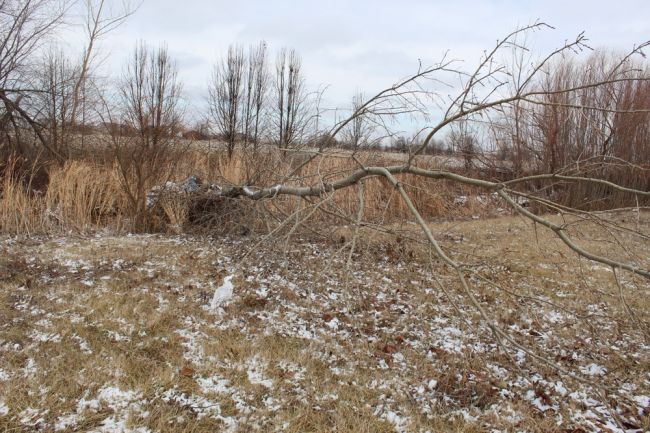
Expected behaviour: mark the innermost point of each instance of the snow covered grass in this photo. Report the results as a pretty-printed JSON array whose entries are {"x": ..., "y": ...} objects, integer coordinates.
[{"x": 111, "y": 334}]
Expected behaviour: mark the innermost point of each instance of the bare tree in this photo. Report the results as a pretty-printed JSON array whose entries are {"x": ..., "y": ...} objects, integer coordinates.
[
  {"x": 247, "y": 105},
  {"x": 559, "y": 129},
  {"x": 225, "y": 93},
  {"x": 101, "y": 18},
  {"x": 27, "y": 82},
  {"x": 256, "y": 89},
  {"x": 463, "y": 142},
  {"x": 55, "y": 103},
  {"x": 358, "y": 133},
  {"x": 291, "y": 110},
  {"x": 151, "y": 114},
  {"x": 24, "y": 27},
  {"x": 480, "y": 96}
]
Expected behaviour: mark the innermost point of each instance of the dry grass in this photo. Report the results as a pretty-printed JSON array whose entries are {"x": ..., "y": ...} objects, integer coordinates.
[
  {"x": 110, "y": 333},
  {"x": 83, "y": 196},
  {"x": 21, "y": 209}
]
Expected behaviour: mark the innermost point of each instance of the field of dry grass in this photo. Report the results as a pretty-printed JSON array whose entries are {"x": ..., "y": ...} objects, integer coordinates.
[
  {"x": 89, "y": 195},
  {"x": 112, "y": 333}
]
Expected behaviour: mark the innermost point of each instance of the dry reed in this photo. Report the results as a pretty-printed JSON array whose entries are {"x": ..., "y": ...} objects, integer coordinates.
[
  {"x": 85, "y": 195},
  {"x": 22, "y": 209}
]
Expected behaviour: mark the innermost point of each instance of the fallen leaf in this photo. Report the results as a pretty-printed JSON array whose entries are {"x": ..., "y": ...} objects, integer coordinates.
[{"x": 187, "y": 372}]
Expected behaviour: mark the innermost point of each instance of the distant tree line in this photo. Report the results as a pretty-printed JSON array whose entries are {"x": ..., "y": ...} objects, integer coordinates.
[{"x": 52, "y": 102}]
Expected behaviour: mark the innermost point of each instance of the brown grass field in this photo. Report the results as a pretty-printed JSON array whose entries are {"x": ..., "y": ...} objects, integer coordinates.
[{"x": 109, "y": 333}]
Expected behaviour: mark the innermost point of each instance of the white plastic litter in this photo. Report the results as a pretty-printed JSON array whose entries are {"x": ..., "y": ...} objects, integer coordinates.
[{"x": 223, "y": 293}]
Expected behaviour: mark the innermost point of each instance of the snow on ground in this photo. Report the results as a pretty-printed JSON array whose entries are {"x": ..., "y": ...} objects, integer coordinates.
[{"x": 296, "y": 344}]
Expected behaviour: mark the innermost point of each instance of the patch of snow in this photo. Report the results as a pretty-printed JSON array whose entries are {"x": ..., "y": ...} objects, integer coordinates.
[
  {"x": 193, "y": 348},
  {"x": 74, "y": 265},
  {"x": 113, "y": 398},
  {"x": 121, "y": 402},
  {"x": 271, "y": 404},
  {"x": 520, "y": 356},
  {"x": 510, "y": 415},
  {"x": 593, "y": 370},
  {"x": 643, "y": 401},
  {"x": 116, "y": 336},
  {"x": 537, "y": 401},
  {"x": 255, "y": 375},
  {"x": 560, "y": 389},
  {"x": 4, "y": 409},
  {"x": 214, "y": 384},
  {"x": 32, "y": 417},
  {"x": 554, "y": 317},
  {"x": 65, "y": 421},
  {"x": 30, "y": 368},
  {"x": 44, "y": 337},
  {"x": 303, "y": 332},
  {"x": 333, "y": 324},
  {"x": 84, "y": 404},
  {"x": 112, "y": 424},
  {"x": 468, "y": 417},
  {"x": 45, "y": 323},
  {"x": 117, "y": 399},
  {"x": 83, "y": 344},
  {"x": 451, "y": 339},
  {"x": 400, "y": 422}
]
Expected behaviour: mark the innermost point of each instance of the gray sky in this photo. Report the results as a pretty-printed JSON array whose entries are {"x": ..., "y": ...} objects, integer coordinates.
[{"x": 363, "y": 44}]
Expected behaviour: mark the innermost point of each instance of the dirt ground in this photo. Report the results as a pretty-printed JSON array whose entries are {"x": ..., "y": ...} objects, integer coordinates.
[{"x": 121, "y": 334}]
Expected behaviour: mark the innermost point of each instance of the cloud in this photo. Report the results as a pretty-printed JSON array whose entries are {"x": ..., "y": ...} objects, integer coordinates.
[{"x": 365, "y": 44}]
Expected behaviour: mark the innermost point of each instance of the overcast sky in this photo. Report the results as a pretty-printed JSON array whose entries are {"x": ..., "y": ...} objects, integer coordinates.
[{"x": 365, "y": 44}]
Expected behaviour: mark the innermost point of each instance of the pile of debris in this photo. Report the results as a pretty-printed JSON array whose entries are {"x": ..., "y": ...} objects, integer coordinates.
[
  {"x": 192, "y": 205},
  {"x": 192, "y": 185}
]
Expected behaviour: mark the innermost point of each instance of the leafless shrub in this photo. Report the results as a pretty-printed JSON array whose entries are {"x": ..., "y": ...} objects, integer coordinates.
[{"x": 602, "y": 120}]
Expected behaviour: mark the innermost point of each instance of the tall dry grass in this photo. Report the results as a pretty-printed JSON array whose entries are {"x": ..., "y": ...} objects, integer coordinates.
[
  {"x": 435, "y": 199},
  {"x": 82, "y": 195},
  {"x": 85, "y": 195},
  {"x": 22, "y": 211}
]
